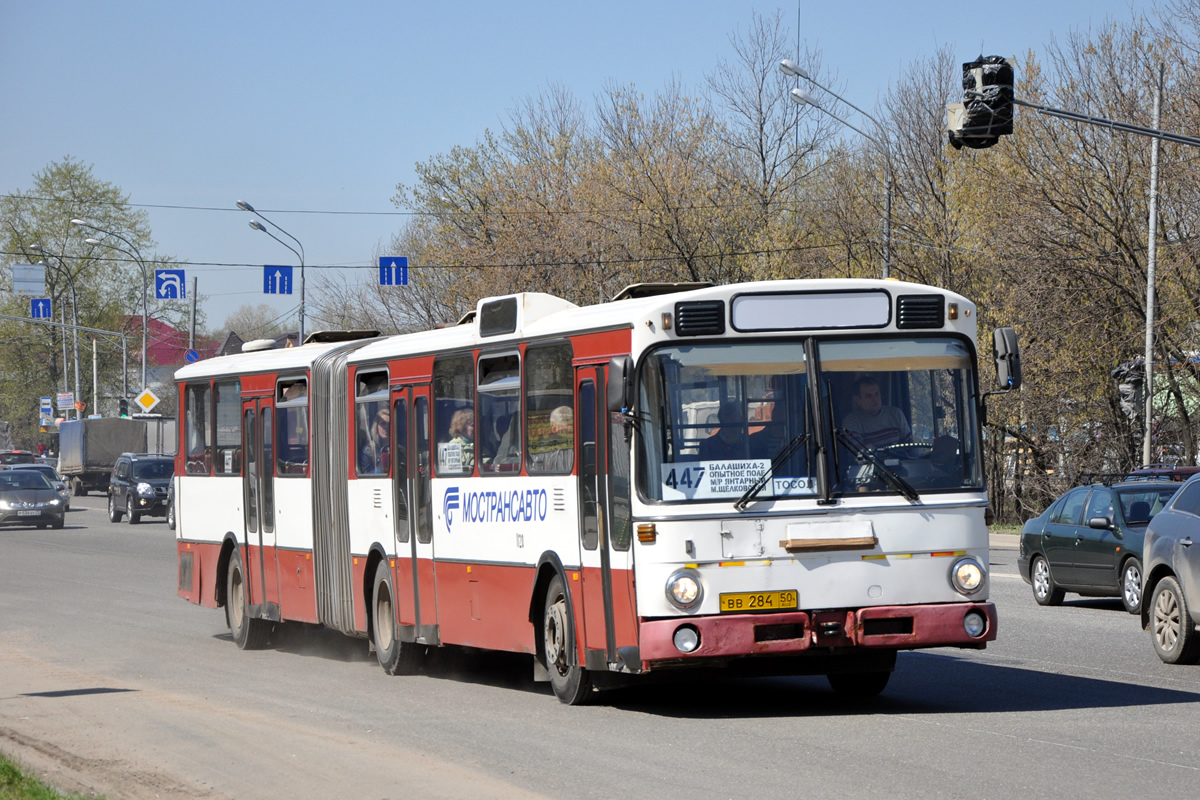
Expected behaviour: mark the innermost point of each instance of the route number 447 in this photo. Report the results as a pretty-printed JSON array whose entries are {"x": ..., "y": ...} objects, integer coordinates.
[{"x": 686, "y": 478}]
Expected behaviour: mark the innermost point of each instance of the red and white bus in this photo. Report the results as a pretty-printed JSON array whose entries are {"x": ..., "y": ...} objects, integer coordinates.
[{"x": 776, "y": 477}]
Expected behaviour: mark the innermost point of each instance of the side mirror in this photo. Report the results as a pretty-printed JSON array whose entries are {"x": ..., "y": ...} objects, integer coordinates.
[
  {"x": 1100, "y": 523},
  {"x": 1007, "y": 354},
  {"x": 620, "y": 384}
]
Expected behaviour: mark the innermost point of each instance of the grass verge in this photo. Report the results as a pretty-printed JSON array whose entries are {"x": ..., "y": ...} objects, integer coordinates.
[{"x": 16, "y": 785}]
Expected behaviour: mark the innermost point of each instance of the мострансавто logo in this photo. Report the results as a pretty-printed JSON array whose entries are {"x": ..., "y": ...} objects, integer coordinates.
[
  {"x": 517, "y": 505},
  {"x": 450, "y": 503}
]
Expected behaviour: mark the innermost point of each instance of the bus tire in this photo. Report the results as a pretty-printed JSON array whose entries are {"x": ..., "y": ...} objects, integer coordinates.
[
  {"x": 248, "y": 633},
  {"x": 571, "y": 683},
  {"x": 858, "y": 685},
  {"x": 396, "y": 657}
]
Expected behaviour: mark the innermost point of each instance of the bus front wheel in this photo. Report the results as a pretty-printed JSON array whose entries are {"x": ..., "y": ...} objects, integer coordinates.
[
  {"x": 570, "y": 682},
  {"x": 396, "y": 657}
]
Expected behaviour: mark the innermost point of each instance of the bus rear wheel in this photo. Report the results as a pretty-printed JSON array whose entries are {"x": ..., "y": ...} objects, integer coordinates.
[
  {"x": 248, "y": 633},
  {"x": 571, "y": 683},
  {"x": 396, "y": 657}
]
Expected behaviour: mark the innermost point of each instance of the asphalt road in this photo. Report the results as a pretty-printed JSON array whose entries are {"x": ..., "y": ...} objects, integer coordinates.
[{"x": 110, "y": 683}]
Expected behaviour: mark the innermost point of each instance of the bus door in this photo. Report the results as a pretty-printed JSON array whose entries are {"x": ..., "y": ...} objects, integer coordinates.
[
  {"x": 605, "y": 564},
  {"x": 258, "y": 502},
  {"x": 414, "y": 572}
]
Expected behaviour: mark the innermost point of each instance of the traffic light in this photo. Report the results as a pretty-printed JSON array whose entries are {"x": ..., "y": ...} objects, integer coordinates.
[
  {"x": 123, "y": 407},
  {"x": 986, "y": 112}
]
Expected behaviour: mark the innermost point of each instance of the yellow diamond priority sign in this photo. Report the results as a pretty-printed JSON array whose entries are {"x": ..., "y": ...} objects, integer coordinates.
[{"x": 147, "y": 400}]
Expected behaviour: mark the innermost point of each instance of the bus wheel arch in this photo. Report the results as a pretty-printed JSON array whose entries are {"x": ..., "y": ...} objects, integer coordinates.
[{"x": 222, "y": 576}]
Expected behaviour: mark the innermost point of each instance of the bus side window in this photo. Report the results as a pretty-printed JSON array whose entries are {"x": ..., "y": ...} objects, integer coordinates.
[
  {"x": 549, "y": 409},
  {"x": 454, "y": 414},
  {"x": 499, "y": 414},
  {"x": 228, "y": 413},
  {"x": 198, "y": 433}
]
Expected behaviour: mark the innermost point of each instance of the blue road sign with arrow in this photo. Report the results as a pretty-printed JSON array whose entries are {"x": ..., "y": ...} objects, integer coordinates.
[
  {"x": 169, "y": 284},
  {"x": 39, "y": 308},
  {"x": 277, "y": 280},
  {"x": 393, "y": 270}
]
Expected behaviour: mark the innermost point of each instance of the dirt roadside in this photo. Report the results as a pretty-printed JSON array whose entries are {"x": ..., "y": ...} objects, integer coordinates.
[{"x": 83, "y": 733}]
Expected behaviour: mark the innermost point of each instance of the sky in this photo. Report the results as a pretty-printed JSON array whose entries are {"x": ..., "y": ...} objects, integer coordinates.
[{"x": 313, "y": 112}]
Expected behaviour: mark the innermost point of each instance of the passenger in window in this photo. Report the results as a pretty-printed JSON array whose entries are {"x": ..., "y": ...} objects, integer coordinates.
[
  {"x": 374, "y": 456},
  {"x": 562, "y": 458},
  {"x": 875, "y": 424},
  {"x": 295, "y": 391},
  {"x": 725, "y": 444},
  {"x": 462, "y": 433}
]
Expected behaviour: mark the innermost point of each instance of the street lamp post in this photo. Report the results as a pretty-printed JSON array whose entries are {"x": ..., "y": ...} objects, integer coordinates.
[
  {"x": 136, "y": 255},
  {"x": 62, "y": 268},
  {"x": 258, "y": 226},
  {"x": 801, "y": 97}
]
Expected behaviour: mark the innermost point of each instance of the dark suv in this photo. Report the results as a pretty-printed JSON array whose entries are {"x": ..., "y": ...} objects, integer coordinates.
[{"x": 138, "y": 486}]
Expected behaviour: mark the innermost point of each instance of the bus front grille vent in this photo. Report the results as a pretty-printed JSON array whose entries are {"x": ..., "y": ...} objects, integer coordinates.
[
  {"x": 700, "y": 318},
  {"x": 915, "y": 311}
]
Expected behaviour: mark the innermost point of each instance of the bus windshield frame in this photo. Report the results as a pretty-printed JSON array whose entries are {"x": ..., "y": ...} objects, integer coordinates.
[{"x": 733, "y": 420}]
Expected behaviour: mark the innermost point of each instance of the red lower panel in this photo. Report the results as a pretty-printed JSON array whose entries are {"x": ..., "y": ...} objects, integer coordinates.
[
  {"x": 203, "y": 557},
  {"x": 485, "y": 606},
  {"x": 402, "y": 579},
  {"x": 295, "y": 591},
  {"x": 297, "y": 587},
  {"x": 894, "y": 627}
]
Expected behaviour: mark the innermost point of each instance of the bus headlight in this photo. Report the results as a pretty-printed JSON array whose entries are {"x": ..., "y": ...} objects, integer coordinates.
[
  {"x": 684, "y": 589},
  {"x": 967, "y": 576}
]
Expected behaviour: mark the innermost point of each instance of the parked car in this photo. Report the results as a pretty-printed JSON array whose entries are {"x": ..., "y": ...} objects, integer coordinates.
[
  {"x": 27, "y": 498},
  {"x": 55, "y": 479},
  {"x": 1172, "y": 585},
  {"x": 138, "y": 485},
  {"x": 1162, "y": 472},
  {"x": 1089, "y": 541}
]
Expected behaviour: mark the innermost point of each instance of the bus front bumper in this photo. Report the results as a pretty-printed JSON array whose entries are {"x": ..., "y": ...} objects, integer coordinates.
[{"x": 970, "y": 625}]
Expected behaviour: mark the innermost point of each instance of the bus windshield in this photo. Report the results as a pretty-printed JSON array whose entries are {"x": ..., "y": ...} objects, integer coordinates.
[{"x": 717, "y": 419}]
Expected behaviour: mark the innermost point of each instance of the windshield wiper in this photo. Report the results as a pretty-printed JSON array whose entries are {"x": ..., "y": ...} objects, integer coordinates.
[
  {"x": 886, "y": 473},
  {"x": 780, "y": 457}
]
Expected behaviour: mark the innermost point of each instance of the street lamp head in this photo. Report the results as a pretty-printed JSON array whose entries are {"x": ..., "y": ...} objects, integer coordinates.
[
  {"x": 244, "y": 206},
  {"x": 79, "y": 222},
  {"x": 258, "y": 226},
  {"x": 801, "y": 97},
  {"x": 93, "y": 241},
  {"x": 789, "y": 67},
  {"x": 37, "y": 247}
]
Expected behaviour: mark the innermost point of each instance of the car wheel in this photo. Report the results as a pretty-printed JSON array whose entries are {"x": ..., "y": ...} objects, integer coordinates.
[
  {"x": 1131, "y": 585},
  {"x": 134, "y": 517},
  {"x": 114, "y": 514},
  {"x": 1171, "y": 626},
  {"x": 1044, "y": 589},
  {"x": 58, "y": 523}
]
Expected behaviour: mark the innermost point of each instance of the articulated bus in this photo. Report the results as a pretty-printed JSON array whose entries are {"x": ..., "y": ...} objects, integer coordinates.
[{"x": 781, "y": 477}]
